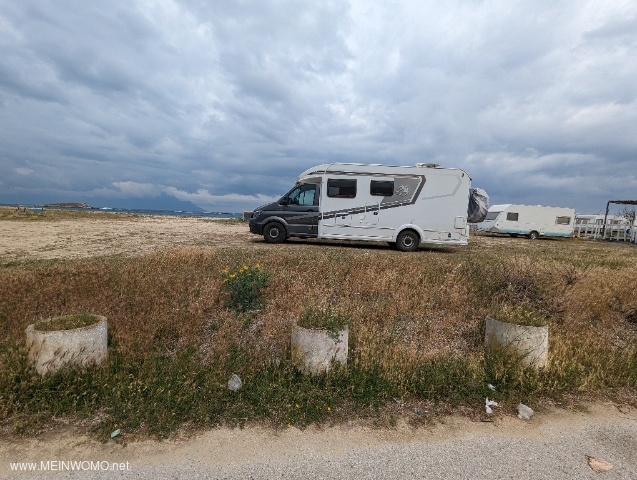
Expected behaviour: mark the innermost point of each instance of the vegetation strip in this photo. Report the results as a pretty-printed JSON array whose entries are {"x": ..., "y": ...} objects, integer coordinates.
[{"x": 416, "y": 325}]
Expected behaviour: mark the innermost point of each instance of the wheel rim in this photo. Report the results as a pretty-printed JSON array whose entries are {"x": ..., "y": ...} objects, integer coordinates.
[
  {"x": 408, "y": 241},
  {"x": 274, "y": 232}
]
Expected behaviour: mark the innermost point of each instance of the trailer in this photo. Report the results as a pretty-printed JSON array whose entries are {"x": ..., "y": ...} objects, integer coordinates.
[
  {"x": 406, "y": 206},
  {"x": 533, "y": 221}
]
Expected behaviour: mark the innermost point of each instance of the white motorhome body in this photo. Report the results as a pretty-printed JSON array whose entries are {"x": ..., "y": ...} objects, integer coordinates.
[
  {"x": 531, "y": 220},
  {"x": 409, "y": 206}
]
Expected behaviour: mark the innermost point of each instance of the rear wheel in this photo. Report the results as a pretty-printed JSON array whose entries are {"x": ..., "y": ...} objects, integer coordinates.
[
  {"x": 407, "y": 241},
  {"x": 274, "y": 232},
  {"x": 533, "y": 235}
]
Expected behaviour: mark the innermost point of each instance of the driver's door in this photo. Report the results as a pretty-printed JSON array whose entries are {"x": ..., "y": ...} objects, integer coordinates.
[{"x": 302, "y": 210}]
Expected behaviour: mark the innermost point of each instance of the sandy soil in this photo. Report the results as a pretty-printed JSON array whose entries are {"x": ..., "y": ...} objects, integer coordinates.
[{"x": 88, "y": 237}]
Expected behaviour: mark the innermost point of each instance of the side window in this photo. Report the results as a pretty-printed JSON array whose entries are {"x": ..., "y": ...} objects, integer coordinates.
[
  {"x": 563, "y": 221},
  {"x": 303, "y": 195},
  {"x": 341, "y": 188},
  {"x": 383, "y": 188},
  {"x": 513, "y": 217}
]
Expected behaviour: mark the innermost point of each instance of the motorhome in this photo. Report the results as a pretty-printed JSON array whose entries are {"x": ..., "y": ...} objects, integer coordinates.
[
  {"x": 531, "y": 220},
  {"x": 407, "y": 206}
]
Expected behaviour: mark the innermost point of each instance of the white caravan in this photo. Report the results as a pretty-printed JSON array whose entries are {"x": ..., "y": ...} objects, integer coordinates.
[
  {"x": 531, "y": 220},
  {"x": 405, "y": 206}
]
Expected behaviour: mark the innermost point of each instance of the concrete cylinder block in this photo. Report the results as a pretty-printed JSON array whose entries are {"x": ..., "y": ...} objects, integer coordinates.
[
  {"x": 314, "y": 351},
  {"x": 531, "y": 343},
  {"x": 51, "y": 350}
]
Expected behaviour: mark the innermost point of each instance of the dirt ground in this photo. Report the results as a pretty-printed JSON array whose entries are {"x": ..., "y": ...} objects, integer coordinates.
[
  {"x": 553, "y": 444},
  {"x": 86, "y": 237}
]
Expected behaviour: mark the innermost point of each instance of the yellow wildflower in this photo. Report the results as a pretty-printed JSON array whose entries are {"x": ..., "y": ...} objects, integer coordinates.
[{"x": 232, "y": 275}]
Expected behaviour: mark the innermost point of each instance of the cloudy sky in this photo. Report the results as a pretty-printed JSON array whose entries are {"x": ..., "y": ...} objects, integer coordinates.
[{"x": 223, "y": 103}]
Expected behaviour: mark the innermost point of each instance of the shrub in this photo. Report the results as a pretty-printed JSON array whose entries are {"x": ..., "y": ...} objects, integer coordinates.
[{"x": 244, "y": 287}]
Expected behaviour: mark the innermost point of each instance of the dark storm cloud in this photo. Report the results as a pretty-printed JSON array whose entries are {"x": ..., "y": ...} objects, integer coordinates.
[{"x": 224, "y": 103}]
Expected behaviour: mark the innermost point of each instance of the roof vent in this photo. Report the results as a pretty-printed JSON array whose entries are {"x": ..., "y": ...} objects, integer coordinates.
[{"x": 428, "y": 165}]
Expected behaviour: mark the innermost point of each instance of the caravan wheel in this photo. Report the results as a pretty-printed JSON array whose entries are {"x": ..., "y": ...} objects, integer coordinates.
[
  {"x": 533, "y": 235},
  {"x": 274, "y": 232},
  {"x": 407, "y": 241}
]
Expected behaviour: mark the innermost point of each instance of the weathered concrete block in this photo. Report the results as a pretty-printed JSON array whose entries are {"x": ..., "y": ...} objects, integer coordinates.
[
  {"x": 314, "y": 351},
  {"x": 531, "y": 343},
  {"x": 49, "y": 351}
]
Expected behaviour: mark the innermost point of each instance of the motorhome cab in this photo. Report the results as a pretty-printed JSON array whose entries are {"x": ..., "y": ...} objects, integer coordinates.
[
  {"x": 530, "y": 220},
  {"x": 405, "y": 206}
]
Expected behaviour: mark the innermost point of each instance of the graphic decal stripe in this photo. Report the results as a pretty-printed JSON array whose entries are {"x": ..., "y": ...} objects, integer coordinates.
[{"x": 356, "y": 210}]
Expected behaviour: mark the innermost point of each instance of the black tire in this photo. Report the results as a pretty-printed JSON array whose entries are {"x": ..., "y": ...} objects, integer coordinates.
[
  {"x": 533, "y": 235},
  {"x": 407, "y": 241},
  {"x": 274, "y": 232}
]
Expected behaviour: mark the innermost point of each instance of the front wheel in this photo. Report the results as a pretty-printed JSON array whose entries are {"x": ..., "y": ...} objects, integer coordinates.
[
  {"x": 274, "y": 232},
  {"x": 407, "y": 241}
]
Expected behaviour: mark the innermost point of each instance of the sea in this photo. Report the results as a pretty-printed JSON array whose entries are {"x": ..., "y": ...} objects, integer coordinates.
[
  {"x": 170, "y": 213},
  {"x": 136, "y": 211}
]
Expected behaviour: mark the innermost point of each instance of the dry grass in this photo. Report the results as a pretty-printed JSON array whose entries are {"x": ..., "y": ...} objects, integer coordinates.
[{"x": 416, "y": 330}]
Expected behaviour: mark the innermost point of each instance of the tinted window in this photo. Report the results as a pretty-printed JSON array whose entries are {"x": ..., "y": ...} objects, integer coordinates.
[
  {"x": 302, "y": 195},
  {"x": 563, "y": 220},
  {"x": 513, "y": 217},
  {"x": 383, "y": 188},
  {"x": 341, "y": 188},
  {"x": 492, "y": 215}
]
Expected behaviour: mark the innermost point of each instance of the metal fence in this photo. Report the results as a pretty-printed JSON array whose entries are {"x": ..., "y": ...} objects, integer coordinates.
[{"x": 599, "y": 231}]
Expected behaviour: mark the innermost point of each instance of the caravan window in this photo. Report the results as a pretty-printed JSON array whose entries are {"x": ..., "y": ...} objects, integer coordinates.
[
  {"x": 563, "y": 221},
  {"x": 512, "y": 217},
  {"x": 383, "y": 188},
  {"x": 492, "y": 215},
  {"x": 341, "y": 188}
]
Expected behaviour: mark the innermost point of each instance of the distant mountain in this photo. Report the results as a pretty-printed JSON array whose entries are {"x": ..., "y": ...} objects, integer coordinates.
[{"x": 162, "y": 202}]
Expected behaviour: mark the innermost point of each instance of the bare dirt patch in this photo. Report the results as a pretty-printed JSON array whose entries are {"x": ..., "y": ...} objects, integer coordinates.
[{"x": 87, "y": 237}]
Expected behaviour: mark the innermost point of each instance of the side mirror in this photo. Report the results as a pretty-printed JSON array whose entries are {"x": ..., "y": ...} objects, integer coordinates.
[{"x": 284, "y": 201}]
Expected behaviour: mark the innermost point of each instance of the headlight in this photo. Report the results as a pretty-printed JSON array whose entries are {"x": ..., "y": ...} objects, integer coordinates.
[{"x": 256, "y": 213}]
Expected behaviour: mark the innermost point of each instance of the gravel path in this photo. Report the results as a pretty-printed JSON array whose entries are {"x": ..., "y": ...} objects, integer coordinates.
[{"x": 552, "y": 445}]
